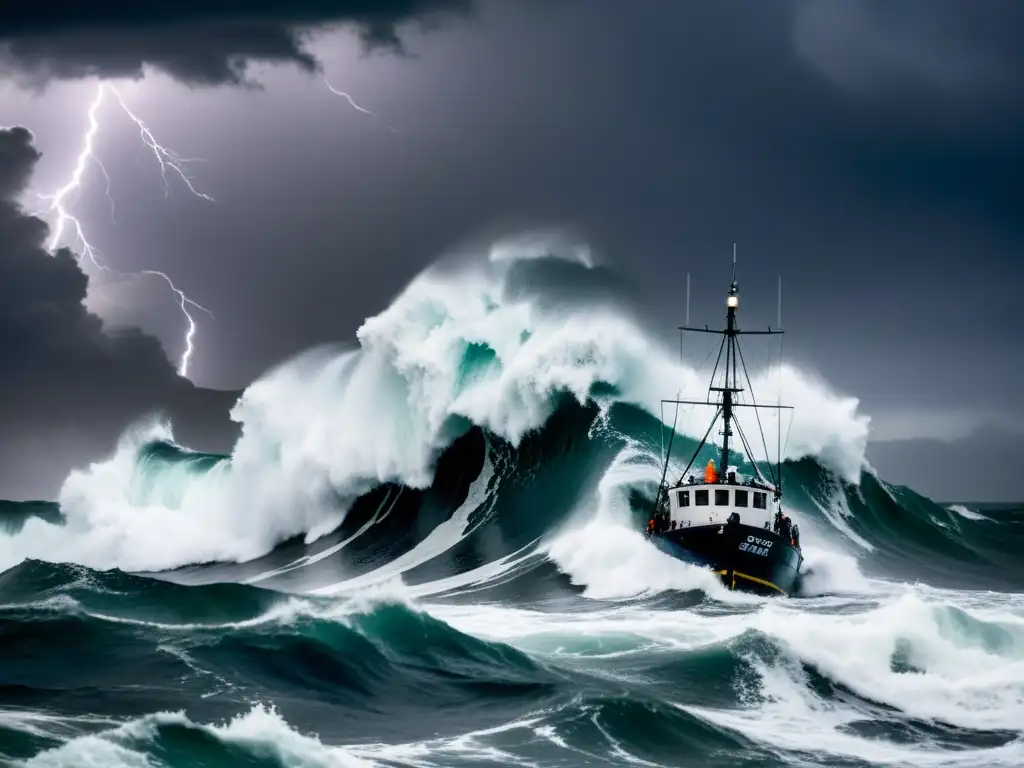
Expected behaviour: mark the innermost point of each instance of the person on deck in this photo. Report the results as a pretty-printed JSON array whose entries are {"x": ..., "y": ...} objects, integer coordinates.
[
  {"x": 710, "y": 474},
  {"x": 785, "y": 529}
]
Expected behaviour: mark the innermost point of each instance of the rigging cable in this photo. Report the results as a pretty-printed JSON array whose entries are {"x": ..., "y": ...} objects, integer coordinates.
[
  {"x": 739, "y": 347},
  {"x": 778, "y": 428},
  {"x": 750, "y": 453},
  {"x": 711, "y": 348},
  {"x": 675, "y": 421}
]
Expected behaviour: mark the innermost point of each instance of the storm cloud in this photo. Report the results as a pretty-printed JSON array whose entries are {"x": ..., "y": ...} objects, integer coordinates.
[
  {"x": 69, "y": 385},
  {"x": 205, "y": 43}
]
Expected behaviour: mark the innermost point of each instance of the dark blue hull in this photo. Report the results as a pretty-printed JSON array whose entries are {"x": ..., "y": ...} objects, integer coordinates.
[{"x": 746, "y": 558}]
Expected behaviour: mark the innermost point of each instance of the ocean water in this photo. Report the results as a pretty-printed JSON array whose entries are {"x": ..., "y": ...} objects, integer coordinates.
[{"x": 427, "y": 551}]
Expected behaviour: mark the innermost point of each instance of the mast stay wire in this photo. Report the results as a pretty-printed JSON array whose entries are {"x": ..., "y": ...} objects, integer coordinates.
[
  {"x": 746, "y": 373},
  {"x": 689, "y": 418}
]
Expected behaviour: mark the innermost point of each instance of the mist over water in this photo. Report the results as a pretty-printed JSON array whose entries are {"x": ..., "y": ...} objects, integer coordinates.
[{"x": 427, "y": 551}]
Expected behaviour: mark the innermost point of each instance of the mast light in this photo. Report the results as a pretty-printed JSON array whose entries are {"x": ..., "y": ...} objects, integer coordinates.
[{"x": 732, "y": 301}]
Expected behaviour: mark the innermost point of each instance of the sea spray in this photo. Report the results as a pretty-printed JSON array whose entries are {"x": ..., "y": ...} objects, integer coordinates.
[{"x": 321, "y": 430}]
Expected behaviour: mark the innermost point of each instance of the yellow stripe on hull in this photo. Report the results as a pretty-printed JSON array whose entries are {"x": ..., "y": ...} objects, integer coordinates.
[{"x": 748, "y": 577}]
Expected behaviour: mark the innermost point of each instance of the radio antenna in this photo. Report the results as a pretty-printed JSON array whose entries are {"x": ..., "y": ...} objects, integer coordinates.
[
  {"x": 778, "y": 323},
  {"x": 687, "y": 298},
  {"x": 778, "y": 427}
]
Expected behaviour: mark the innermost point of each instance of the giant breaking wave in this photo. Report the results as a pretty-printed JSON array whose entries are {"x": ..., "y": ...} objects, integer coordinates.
[{"x": 479, "y": 344}]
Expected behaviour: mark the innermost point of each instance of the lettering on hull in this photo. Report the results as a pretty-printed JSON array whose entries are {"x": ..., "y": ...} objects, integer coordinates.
[{"x": 756, "y": 546}]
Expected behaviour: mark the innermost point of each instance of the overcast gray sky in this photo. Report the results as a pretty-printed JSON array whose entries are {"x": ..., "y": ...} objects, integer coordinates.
[{"x": 868, "y": 151}]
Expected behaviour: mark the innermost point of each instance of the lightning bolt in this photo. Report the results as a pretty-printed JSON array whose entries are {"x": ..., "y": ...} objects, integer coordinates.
[
  {"x": 166, "y": 157},
  {"x": 351, "y": 101},
  {"x": 75, "y": 183},
  {"x": 168, "y": 160},
  {"x": 184, "y": 302}
]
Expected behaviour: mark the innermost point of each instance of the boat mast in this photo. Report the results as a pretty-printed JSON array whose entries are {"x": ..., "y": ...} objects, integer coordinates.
[
  {"x": 733, "y": 353},
  {"x": 732, "y": 301}
]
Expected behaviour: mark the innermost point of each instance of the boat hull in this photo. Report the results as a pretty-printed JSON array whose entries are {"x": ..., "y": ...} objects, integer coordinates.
[{"x": 746, "y": 558}]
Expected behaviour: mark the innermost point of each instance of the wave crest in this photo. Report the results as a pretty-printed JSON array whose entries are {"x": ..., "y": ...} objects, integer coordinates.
[{"x": 477, "y": 345}]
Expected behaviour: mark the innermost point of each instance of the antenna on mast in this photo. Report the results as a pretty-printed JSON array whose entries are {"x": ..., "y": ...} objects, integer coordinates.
[
  {"x": 687, "y": 298},
  {"x": 779, "y": 321},
  {"x": 734, "y": 262},
  {"x": 778, "y": 428}
]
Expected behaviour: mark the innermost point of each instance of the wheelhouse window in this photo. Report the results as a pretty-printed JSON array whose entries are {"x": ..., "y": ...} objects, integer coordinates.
[
  {"x": 760, "y": 500},
  {"x": 700, "y": 498},
  {"x": 721, "y": 497},
  {"x": 683, "y": 497},
  {"x": 742, "y": 498}
]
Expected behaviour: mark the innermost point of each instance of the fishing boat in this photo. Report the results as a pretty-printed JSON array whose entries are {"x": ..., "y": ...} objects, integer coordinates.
[{"x": 715, "y": 516}]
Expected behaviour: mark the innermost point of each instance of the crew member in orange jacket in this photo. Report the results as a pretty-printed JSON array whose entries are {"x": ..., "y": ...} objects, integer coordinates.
[{"x": 710, "y": 474}]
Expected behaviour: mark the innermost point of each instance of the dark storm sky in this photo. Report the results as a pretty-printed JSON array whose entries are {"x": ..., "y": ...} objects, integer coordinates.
[{"x": 869, "y": 151}]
